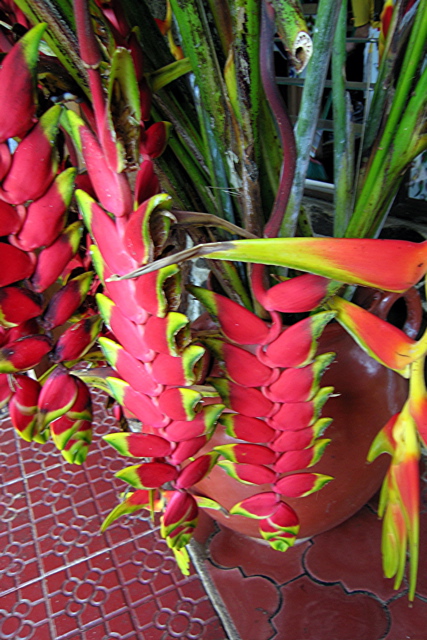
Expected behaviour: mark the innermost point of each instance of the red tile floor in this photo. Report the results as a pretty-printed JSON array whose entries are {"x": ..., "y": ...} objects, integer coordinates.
[{"x": 61, "y": 579}]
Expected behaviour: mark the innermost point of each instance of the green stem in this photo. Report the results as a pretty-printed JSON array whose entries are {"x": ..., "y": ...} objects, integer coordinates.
[
  {"x": 343, "y": 144},
  {"x": 317, "y": 68},
  {"x": 365, "y": 212}
]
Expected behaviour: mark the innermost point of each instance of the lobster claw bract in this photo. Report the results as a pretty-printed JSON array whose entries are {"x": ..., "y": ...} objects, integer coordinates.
[
  {"x": 35, "y": 156},
  {"x": 18, "y": 85}
]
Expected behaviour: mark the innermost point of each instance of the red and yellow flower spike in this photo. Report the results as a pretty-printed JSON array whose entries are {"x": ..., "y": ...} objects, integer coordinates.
[{"x": 400, "y": 496}]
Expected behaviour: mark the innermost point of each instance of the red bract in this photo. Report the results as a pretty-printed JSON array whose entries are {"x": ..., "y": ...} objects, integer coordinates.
[
  {"x": 24, "y": 353},
  {"x": 10, "y": 221},
  {"x": 17, "y": 305},
  {"x": 18, "y": 85},
  {"x": 45, "y": 217},
  {"x": 14, "y": 264},
  {"x": 237, "y": 323},
  {"x": 35, "y": 156},
  {"x": 297, "y": 345},
  {"x": 52, "y": 261},
  {"x": 304, "y": 293}
]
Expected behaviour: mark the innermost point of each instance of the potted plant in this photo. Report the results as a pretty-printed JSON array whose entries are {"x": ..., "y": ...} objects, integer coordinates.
[{"x": 256, "y": 370}]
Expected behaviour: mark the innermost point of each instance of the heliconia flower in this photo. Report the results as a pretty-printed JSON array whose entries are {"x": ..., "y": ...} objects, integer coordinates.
[
  {"x": 140, "y": 405},
  {"x": 196, "y": 470},
  {"x": 383, "y": 441},
  {"x": 23, "y": 354},
  {"x": 303, "y": 293},
  {"x": 280, "y": 529},
  {"x": 104, "y": 230},
  {"x": 148, "y": 475},
  {"x": 137, "y": 237},
  {"x": 147, "y": 183},
  {"x": 181, "y": 510},
  {"x": 14, "y": 264},
  {"x": 82, "y": 405},
  {"x": 45, "y": 217},
  {"x": 111, "y": 188},
  {"x": 241, "y": 366},
  {"x": 237, "y": 323},
  {"x": 18, "y": 95},
  {"x": 67, "y": 300},
  {"x": 52, "y": 261},
  {"x": 380, "y": 339},
  {"x": 76, "y": 449},
  {"x": 17, "y": 305},
  {"x": 299, "y": 385},
  {"x": 183, "y": 370},
  {"x": 391, "y": 265},
  {"x": 202, "y": 425},
  {"x": 35, "y": 156},
  {"x": 249, "y": 453},
  {"x": 394, "y": 540},
  {"x": 180, "y": 403},
  {"x": 261, "y": 505},
  {"x": 302, "y": 459},
  {"x": 177, "y": 526},
  {"x": 5, "y": 389},
  {"x": 299, "y": 485},
  {"x": 170, "y": 334},
  {"x": 62, "y": 430},
  {"x": 159, "y": 292},
  {"x": 297, "y": 345},
  {"x": 10, "y": 221},
  {"x": 155, "y": 139},
  {"x": 140, "y": 499},
  {"x": 249, "y": 402},
  {"x": 418, "y": 398},
  {"x": 139, "y": 445},
  {"x": 249, "y": 429},
  {"x": 130, "y": 335},
  {"x": 23, "y": 406},
  {"x": 187, "y": 449},
  {"x": 122, "y": 293},
  {"x": 27, "y": 328},
  {"x": 75, "y": 341},
  {"x": 299, "y": 415},
  {"x": 295, "y": 440},
  {"x": 133, "y": 371},
  {"x": 57, "y": 396},
  {"x": 248, "y": 473}
]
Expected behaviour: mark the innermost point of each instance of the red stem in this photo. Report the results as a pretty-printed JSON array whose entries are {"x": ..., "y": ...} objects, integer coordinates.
[{"x": 278, "y": 108}]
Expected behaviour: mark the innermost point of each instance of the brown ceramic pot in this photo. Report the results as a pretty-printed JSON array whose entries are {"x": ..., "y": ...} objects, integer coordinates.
[{"x": 366, "y": 395}]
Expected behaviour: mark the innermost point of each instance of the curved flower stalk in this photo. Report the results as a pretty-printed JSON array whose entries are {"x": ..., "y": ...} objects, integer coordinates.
[{"x": 39, "y": 291}]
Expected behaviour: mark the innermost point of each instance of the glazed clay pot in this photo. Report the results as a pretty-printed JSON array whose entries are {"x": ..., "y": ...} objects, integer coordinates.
[{"x": 366, "y": 395}]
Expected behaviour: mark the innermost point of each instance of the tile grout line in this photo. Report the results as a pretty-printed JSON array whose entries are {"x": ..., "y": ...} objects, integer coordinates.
[
  {"x": 197, "y": 556},
  {"x": 36, "y": 543},
  {"x": 133, "y": 617},
  {"x": 48, "y": 574}
]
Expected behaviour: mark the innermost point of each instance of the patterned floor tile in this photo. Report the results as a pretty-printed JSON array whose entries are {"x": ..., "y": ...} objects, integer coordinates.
[
  {"x": 350, "y": 554},
  {"x": 409, "y": 620},
  {"x": 230, "y": 549},
  {"x": 62, "y": 579},
  {"x": 324, "y": 612},
  {"x": 24, "y": 614},
  {"x": 251, "y": 602}
]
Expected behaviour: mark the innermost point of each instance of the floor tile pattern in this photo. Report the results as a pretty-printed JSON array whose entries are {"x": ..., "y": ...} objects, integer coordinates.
[
  {"x": 327, "y": 588},
  {"x": 61, "y": 579}
]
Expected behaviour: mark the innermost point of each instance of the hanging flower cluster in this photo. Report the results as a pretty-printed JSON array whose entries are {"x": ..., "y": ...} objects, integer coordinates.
[
  {"x": 269, "y": 379},
  {"x": 39, "y": 290}
]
